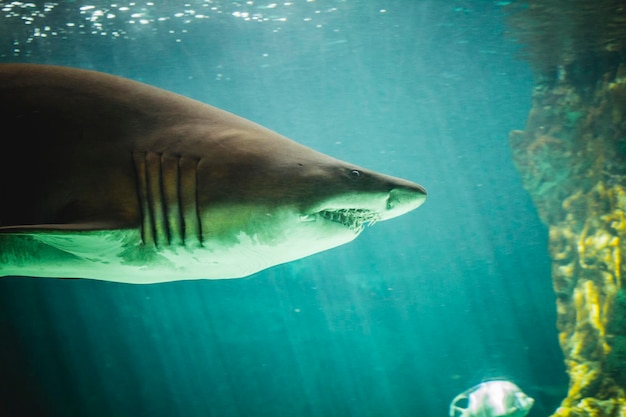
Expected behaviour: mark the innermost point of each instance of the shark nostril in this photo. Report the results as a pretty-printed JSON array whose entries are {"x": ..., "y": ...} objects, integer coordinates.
[
  {"x": 405, "y": 199},
  {"x": 390, "y": 202},
  {"x": 395, "y": 198}
]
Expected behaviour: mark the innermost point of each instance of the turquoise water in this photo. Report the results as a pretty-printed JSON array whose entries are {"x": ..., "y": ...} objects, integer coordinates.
[{"x": 396, "y": 323}]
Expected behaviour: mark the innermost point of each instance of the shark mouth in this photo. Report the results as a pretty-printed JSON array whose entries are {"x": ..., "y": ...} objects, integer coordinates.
[{"x": 353, "y": 219}]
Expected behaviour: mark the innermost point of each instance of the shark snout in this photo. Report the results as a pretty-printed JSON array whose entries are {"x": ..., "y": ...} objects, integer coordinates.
[{"x": 404, "y": 199}]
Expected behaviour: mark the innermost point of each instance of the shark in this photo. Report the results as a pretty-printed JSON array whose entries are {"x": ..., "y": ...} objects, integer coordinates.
[{"x": 107, "y": 178}]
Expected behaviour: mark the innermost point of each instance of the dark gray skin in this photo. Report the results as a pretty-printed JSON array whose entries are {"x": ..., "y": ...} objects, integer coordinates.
[{"x": 167, "y": 175}]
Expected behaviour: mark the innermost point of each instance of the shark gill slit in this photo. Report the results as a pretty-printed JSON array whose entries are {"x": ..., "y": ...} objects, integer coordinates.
[
  {"x": 195, "y": 193},
  {"x": 167, "y": 190},
  {"x": 197, "y": 206},
  {"x": 188, "y": 195},
  {"x": 156, "y": 199},
  {"x": 139, "y": 163},
  {"x": 170, "y": 182},
  {"x": 179, "y": 200}
]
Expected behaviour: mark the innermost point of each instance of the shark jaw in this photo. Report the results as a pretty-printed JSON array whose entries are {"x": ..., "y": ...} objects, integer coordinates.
[
  {"x": 353, "y": 219},
  {"x": 330, "y": 223},
  {"x": 271, "y": 237},
  {"x": 357, "y": 210}
]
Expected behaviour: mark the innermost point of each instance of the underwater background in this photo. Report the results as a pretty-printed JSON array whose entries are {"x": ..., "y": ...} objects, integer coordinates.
[{"x": 396, "y": 323}]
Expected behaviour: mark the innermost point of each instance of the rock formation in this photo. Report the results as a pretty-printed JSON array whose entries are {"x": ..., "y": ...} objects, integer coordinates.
[{"x": 572, "y": 158}]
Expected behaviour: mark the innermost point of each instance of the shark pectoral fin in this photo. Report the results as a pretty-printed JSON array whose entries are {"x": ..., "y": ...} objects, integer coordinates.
[
  {"x": 85, "y": 246},
  {"x": 67, "y": 227},
  {"x": 86, "y": 241}
]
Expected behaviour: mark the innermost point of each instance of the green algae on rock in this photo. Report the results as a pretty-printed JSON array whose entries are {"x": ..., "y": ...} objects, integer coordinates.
[{"x": 571, "y": 157}]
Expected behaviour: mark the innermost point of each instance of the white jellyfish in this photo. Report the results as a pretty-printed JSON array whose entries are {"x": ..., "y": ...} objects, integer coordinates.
[{"x": 498, "y": 398}]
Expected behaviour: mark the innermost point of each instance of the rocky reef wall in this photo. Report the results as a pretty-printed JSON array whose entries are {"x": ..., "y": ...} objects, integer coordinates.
[{"x": 572, "y": 159}]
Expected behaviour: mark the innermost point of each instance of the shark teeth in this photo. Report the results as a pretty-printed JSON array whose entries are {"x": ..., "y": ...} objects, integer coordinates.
[{"x": 354, "y": 219}]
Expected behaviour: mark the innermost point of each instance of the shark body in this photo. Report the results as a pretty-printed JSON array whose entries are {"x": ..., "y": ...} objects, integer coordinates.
[{"x": 107, "y": 178}]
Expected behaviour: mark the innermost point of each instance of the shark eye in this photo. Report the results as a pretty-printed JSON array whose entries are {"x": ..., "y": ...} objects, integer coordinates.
[{"x": 354, "y": 174}]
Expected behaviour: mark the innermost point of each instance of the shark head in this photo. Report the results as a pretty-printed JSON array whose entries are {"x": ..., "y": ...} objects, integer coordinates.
[{"x": 291, "y": 201}]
